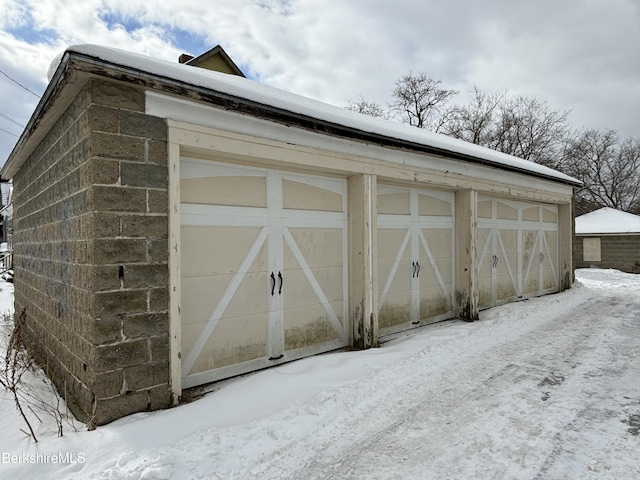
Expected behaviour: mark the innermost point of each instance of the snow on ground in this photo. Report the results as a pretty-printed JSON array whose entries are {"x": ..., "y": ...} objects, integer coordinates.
[{"x": 547, "y": 388}]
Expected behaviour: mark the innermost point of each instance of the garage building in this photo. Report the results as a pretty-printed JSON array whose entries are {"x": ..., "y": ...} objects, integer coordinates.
[{"x": 175, "y": 226}]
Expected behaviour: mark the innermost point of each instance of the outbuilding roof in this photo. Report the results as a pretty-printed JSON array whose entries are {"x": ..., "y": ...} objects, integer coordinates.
[
  {"x": 607, "y": 221},
  {"x": 247, "y": 96}
]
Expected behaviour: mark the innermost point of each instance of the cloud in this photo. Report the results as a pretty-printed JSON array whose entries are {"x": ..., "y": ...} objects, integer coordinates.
[{"x": 576, "y": 55}]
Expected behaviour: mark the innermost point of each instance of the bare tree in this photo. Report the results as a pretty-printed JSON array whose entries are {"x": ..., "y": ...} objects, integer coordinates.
[
  {"x": 419, "y": 101},
  {"x": 475, "y": 121},
  {"x": 521, "y": 126},
  {"x": 366, "y": 107},
  {"x": 609, "y": 168}
]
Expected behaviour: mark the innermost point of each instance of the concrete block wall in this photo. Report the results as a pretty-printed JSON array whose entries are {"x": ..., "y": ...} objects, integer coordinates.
[
  {"x": 91, "y": 254},
  {"x": 621, "y": 252}
]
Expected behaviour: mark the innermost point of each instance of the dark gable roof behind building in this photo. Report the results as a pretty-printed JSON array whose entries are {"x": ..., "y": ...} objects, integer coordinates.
[{"x": 252, "y": 98}]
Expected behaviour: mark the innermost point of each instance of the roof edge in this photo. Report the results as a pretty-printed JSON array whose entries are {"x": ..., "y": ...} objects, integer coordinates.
[{"x": 95, "y": 65}]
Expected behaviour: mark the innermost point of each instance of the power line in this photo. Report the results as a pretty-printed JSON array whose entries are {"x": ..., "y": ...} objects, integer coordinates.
[
  {"x": 11, "y": 120},
  {"x": 19, "y": 84},
  {"x": 7, "y": 131}
]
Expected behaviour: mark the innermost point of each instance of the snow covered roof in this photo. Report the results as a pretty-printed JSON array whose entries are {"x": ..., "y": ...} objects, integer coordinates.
[
  {"x": 284, "y": 106},
  {"x": 607, "y": 220}
]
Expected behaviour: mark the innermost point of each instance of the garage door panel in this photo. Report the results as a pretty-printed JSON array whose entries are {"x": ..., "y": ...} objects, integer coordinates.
[
  {"x": 530, "y": 262},
  {"x": 320, "y": 247},
  {"x": 550, "y": 215},
  {"x": 504, "y": 211},
  {"x": 394, "y": 265},
  {"x": 434, "y": 305},
  {"x": 484, "y": 209},
  {"x": 522, "y": 264},
  {"x": 430, "y": 205},
  {"x": 395, "y": 311},
  {"x": 531, "y": 214},
  {"x": 297, "y": 195},
  {"x": 415, "y": 257},
  {"x": 219, "y": 250},
  {"x": 258, "y": 278},
  {"x": 484, "y": 266},
  {"x": 246, "y": 191},
  {"x": 507, "y": 264},
  {"x": 236, "y": 340},
  {"x": 201, "y": 295},
  {"x": 393, "y": 202},
  {"x": 307, "y": 326},
  {"x": 550, "y": 261},
  {"x": 440, "y": 244}
]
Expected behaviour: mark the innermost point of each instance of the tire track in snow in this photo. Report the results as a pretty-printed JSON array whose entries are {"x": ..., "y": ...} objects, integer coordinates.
[{"x": 445, "y": 433}]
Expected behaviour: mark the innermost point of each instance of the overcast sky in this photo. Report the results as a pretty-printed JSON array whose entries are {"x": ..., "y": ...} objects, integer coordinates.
[{"x": 580, "y": 55}]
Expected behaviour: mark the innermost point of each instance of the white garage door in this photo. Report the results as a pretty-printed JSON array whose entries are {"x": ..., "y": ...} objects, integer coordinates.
[
  {"x": 517, "y": 250},
  {"x": 415, "y": 257},
  {"x": 263, "y": 270}
]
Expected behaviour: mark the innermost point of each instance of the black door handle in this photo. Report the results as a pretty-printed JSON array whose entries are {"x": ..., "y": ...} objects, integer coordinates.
[
  {"x": 273, "y": 283},
  {"x": 413, "y": 269},
  {"x": 417, "y": 269},
  {"x": 280, "y": 277}
]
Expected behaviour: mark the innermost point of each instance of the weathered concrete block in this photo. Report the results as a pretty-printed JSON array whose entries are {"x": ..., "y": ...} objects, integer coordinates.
[
  {"x": 110, "y": 409},
  {"x": 122, "y": 302},
  {"x": 106, "y": 277},
  {"x": 105, "y": 331},
  {"x": 117, "y": 146},
  {"x": 118, "y": 251},
  {"x": 118, "y": 199},
  {"x": 159, "y": 299},
  {"x": 102, "y": 118},
  {"x": 157, "y": 152},
  {"x": 159, "y": 397},
  {"x": 160, "y": 349},
  {"x": 148, "y": 375},
  {"x": 158, "y": 201},
  {"x": 115, "y": 94},
  {"x": 100, "y": 171},
  {"x": 140, "y": 125},
  {"x": 145, "y": 276},
  {"x": 108, "y": 384},
  {"x": 144, "y": 175},
  {"x": 105, "y": 225},
  {"x": 146, "y": 325},
  {"x": 145, "y": 226},
  {"x": 158, "y": 250},
  {"x": 119, "y": 355}
]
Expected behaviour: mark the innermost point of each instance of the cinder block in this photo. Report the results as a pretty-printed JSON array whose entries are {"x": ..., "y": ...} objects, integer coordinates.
[
  {"x": 145, "y": 276},
  {"x": 117, "y": 146},
  {"x": 141, "y": 125},
  {"x": 119, "y": 355},
  {"x": 118, "y": 199},
  {"x": 144, "y": 175},
  {"x": 146, "y": 325},
  {"x": 119, "y": 303},
  {"x": 110, "y": 409},
  {"x": 118, "y": 251},
  {"x": 145, "y": 226},
  {"x": 102, "y": 118},
  {"x": 158, "y": 201},
  {"x": 108, "y": 384},
  {"x": 110, "y": 94},
  {"x": 140, "y": 377}
]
